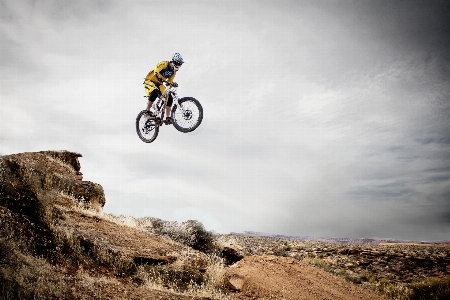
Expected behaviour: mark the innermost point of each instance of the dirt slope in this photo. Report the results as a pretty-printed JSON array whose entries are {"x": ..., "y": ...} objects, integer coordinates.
[
  {"x": 141, "y": 246},
  {"x": 273, "y": 277}
]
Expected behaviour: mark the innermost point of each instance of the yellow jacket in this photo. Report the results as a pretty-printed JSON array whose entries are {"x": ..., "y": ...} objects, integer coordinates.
[{"x": 155, "y": 78}]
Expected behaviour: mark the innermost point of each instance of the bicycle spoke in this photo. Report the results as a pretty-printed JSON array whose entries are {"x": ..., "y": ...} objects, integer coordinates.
[{"x": 188, "y": 115}]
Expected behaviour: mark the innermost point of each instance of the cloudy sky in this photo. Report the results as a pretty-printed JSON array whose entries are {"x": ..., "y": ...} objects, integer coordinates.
[{"x": 325, "y": 118}]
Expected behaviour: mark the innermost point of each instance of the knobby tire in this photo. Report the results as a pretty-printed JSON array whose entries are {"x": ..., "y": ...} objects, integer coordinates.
[
  {"x": 146, "y": 128},
  {"x": 192, "y": 116}
]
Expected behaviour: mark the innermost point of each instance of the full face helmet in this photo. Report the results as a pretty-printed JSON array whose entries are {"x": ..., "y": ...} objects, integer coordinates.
[{"x": 177, "y": 61}]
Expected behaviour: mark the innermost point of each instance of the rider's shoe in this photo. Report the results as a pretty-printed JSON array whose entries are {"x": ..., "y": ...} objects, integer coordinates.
[{"x": 168, "y": 121}]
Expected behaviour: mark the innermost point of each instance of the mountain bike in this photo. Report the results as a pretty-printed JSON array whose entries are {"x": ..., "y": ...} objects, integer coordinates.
[{"x": 186, "y": 113}]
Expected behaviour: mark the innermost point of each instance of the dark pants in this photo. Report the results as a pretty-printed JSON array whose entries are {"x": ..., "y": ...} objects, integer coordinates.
[{"x": 156, "y": 93}]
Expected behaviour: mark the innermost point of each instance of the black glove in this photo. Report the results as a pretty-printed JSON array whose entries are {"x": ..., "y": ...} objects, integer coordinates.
[{"x": 174, "y": 84}]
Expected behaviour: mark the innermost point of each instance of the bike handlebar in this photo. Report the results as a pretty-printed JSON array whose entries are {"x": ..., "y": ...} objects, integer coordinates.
[{"x": 170, "y": 84}]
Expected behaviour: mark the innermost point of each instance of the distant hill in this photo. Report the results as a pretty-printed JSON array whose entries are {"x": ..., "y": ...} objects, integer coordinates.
[{"x": 343, "y": 241}]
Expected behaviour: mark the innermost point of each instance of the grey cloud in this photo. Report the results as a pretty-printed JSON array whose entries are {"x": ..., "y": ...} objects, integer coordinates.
[
  {"x": 15, "y": 63},
  {"x": 440, "y": 169},
  {"x": 434, "y": 140},
  {"x": 423, "y": 24},
  {"x": 320, "y": 118},
  {"x": 9, "y": 49},
  {"x": 63, "y": 11},
  {"x": 445, "y": 215},
  {"x": 381, "y": 192}
]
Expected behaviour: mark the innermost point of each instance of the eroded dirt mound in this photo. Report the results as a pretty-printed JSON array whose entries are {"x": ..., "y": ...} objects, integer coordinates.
[
  {"x": 273, "y": 277},
  {"x": 141, "y": 246}
]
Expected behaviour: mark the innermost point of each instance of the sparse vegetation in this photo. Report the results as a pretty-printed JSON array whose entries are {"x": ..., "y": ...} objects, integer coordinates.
[
  {"x": 431, "y": 289},
  {"x": 41, "y": 259},
  {"x": 401, "y": 272}
]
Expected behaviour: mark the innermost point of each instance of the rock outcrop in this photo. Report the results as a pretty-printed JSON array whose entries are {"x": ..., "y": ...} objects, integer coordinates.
[
  {"x": 28, "y": 179},
  {"x": 48, "y": 212}
]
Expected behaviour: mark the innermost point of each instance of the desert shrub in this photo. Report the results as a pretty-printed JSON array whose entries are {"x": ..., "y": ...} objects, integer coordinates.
[
  {"x": 10, "y": 290},
  {"x": 23, "y": 276},
  {"x": 433, "y": 289},
  {"x": 318, "y": 263},
  {"x": 185, "y": 279},
  {"x": 282, "y": 249},
  {"x": 75, "y": 250},
  {"x": 353, "y": 278},
  {"x": 393, "y": 290},
  {"x": 369, "y": 277},
  {"x": 175, "y": 278},
  {"x": 190, "y": 233},
  {"x": 120, "y": 264},
  {"x": 215, "y": 274},
  {"x": 279, "y": 252}
]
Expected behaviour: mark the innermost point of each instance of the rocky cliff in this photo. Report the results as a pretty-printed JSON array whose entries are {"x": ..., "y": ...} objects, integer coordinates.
[{"x": 55, "y": 243}]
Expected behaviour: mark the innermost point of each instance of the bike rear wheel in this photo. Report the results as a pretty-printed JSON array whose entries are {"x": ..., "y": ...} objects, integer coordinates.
[
  {"x": 146, "y": 128},
  {"x": 189, "y": 116}
]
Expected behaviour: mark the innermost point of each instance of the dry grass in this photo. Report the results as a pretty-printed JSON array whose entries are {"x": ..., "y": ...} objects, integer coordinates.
[
  {"x": 180, "y": 279},
  {"x": 431, "y": 289},
  {"x": 24, "y": 276}
]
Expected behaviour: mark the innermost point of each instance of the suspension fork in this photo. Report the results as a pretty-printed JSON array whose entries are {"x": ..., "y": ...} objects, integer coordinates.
[
  {"x": 158, "y": 107},
  {"x": 175, "y": 100}
]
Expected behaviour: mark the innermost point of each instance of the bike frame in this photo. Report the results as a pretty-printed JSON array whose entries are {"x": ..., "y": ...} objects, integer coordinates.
[{"x": 159, "y": 105}]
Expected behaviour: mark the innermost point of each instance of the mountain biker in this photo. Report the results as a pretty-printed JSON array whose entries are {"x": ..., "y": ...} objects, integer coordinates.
[{"x": 153, "y": 84}]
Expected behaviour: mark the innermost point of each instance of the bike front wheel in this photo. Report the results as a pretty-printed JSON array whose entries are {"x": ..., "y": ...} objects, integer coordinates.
[
  {"x": 146, "y": 128},
  {"x": 188, "y": 115}
]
